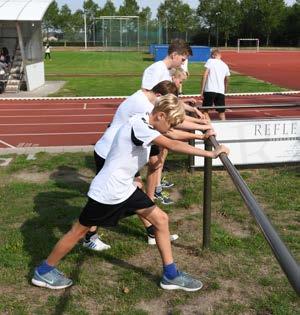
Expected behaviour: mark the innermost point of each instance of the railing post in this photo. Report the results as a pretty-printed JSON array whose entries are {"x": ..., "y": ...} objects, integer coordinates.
[{"x": 207, "y": 197}]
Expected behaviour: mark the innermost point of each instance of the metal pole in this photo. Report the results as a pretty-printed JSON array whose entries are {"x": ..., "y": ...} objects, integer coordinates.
[
  {"x": 167, "y": 32},
  {"x": 281, "y": 252},
  {"x": 85, "y": 37},
  {"x": 120, "y": 33},
  {"x": 207, "y": 197},
  {"x": 138, "y": 33},
  {"x": 103, "y": 32}
]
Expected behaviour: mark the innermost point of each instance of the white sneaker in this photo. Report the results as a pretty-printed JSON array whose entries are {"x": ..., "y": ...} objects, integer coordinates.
[
  {"x": 95, "y": 243},
  {"x": 152, "y": 241}
]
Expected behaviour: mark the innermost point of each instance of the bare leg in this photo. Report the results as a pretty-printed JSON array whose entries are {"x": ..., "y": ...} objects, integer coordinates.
[
  {"x": 222, "y": 116},
  {"x": 162, "y": 235},
  {"x": 163, "y": 156},
  {"x": 66, "y": 243}
]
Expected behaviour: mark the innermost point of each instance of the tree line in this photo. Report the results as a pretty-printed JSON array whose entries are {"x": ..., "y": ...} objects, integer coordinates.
[{"x": 213, "y": 22}]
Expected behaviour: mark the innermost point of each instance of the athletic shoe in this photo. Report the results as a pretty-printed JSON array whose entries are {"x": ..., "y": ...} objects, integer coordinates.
[
  {"x": 95, "y": 243},
  {"x": 164, "y": 198},
  {"x": 53, "y": 279},
  {"x": 182, "y": 282},
  {"x": 166, "y": 184},
  {"x": 152, "y": 241}
]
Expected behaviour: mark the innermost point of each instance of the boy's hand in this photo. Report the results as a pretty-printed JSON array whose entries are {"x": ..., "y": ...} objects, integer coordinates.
[
  {"x": 220, "y": 149},
  {"x": 199, "y": 113},
  {"x": 208, "y": 133}
]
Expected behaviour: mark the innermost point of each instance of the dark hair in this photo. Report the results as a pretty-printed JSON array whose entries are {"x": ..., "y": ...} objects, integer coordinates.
[
  {"x": 180, "y": 46},
  {"x": 165, "y": 87},
  {"x": 5, "y": 51}
]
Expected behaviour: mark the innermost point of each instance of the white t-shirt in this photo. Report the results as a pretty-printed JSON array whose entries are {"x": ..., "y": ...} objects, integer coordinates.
[
  {"x": 218, "y": 70},
  {"x": 184, "y": 66},
  {"x": 129, "y": 152},
  {"x": 154, "y": 74},
  {"x": 137, "y": 103},
  {"x": 47, "y": 49}
]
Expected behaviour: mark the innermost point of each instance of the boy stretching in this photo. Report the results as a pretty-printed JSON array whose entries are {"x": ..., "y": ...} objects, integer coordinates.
[{"x": 113, "y": 195}]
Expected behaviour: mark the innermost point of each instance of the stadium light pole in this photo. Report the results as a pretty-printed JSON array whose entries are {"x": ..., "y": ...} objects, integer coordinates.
[
  {"x": 217, "y": 16},
  {"x": 85, "y": 37}
]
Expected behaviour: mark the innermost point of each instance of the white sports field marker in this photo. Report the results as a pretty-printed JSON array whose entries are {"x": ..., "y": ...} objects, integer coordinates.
[
  {"x": 31, "y": 157},
  {"x": 84, "y": 105},
  {"x": 7, "y": 144},
  {"x": 5, "y": 162}
]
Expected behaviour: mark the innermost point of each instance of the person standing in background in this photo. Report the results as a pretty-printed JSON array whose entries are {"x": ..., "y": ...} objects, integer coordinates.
[{"x": 215, "y": 83}]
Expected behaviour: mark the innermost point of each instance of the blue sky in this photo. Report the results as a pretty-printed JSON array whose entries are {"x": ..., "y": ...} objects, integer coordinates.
[{"x": 153, "y": 4}]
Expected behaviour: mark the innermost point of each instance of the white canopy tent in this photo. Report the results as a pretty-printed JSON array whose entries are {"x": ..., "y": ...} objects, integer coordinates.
[{"x": 20, "y": 26}]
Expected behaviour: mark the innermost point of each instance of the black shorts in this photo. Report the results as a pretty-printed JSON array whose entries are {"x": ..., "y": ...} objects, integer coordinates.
[
  {"x": 154, "y": 150},
  {"x": 212, "y": 98},
  {"x": 98, "y": 214},
  {"x": 99, "y": 161}
]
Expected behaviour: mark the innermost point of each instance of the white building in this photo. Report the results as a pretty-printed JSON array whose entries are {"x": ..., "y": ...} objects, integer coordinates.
[{"x": 21, "y": 33}]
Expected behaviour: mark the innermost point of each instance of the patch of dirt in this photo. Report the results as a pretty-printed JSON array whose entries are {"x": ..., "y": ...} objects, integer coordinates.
[{"x": 32, "y": 177}]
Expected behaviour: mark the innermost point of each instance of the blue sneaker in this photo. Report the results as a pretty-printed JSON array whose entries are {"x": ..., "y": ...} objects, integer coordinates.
[
  {"x": 182, "y": 282},
  {"x": 53, "y": 279},
  {"x": 166, "y": 184}
]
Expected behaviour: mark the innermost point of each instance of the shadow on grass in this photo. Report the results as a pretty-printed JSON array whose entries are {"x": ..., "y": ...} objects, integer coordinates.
[{"x": 55, "y": 210}]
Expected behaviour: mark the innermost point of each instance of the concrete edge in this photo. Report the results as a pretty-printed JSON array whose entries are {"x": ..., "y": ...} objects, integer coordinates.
[
  {"x": 122, "y": 97},
  {"x": 34, "y": 150}
]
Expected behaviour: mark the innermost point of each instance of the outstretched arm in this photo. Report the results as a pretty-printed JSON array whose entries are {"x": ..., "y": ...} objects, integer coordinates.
[
  {"x": 176, "y": 134},
  {"x": 204, "y": 79},
  {"x": 182, "y": 147},
  {"x": 189, "y": 125}
]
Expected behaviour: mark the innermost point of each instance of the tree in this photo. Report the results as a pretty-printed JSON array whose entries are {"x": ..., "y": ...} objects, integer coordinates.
[
  {"x": 207, "y": 11},
  {"x": 227, "y": 17},
  {"x": 271, "y": 14},
  {"x": 145, "y": 14},
  {"x": 176, "y": 14},
  {"x": 109, "y": 9},
  {"x": 129, "y": 7},
  {"x": 51, "y": 18}
]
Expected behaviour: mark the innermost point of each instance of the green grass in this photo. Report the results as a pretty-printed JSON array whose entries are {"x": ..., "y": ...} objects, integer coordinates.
[
  {"x": 107, "y": 70},
  {"x": 39, "y": 200}
]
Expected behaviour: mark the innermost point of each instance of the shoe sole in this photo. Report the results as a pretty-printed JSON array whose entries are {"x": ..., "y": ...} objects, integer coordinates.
[
  {"x": 177, "y": 287},
  {"x": 49, "y": 286}
]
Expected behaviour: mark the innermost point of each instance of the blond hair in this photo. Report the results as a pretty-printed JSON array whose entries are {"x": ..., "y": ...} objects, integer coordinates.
[
  {"x": 215, "y": 52},
  {"x": 172, "y": 107},
  {"x": 178, "y": 73}
]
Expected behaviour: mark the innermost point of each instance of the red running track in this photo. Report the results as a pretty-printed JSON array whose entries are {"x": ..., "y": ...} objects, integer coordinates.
[
  {"x": 278, "y": 67},
  {"x": 27, "y": 123}
]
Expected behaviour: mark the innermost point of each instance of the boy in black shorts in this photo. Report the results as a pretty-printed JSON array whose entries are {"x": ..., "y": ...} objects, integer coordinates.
[
  {"x": 215, "y": 83},
  {"x": 113, "y": 195}
]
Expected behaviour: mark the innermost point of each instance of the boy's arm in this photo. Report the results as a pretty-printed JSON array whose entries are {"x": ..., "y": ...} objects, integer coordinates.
[
  {"x": 204, "y": 79},
  {"x": 185, "y": 136},
  {"x": 226, "y": 81},
  {"x": 200, "y": 121},
  {"x": 189, "y": 125},
  {"x": 182, "y": 147}
]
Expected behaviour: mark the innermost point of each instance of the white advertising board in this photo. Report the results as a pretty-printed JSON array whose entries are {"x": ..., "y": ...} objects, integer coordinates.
[
  {"x": 257, "y": 142},
  {"x": 35, "y": 75}
]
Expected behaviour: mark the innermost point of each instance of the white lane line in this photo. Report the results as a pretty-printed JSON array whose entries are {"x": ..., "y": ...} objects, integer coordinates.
[
  {"x": 40, "y": 116},
  {"x": 39, "y": 109},
  {"x": 49, "y": 134},
  {"x": 50, "y": 124},
  {"x": 7, "y": 144},
  {"x": 122, "y": 97}
]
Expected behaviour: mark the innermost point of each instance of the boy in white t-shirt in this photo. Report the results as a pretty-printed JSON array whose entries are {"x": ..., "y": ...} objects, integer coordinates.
[
  {"x": 178, "y": 53},
  {"x": 215, "y": 83},
  {"x": 140, "y": 102},
  {"x": 113, "y": 195}
]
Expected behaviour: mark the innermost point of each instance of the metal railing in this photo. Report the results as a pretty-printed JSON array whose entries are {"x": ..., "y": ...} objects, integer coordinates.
[{"x": 287, "y": 262}]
